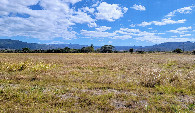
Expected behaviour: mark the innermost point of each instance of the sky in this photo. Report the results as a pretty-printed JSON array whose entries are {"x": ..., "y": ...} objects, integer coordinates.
[{"x": 98, "y": 22}]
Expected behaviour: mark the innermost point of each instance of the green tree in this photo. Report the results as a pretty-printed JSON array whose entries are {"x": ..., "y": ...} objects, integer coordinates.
[
  {"x": 107, "y": 49},
  {"x": 131, "y": 50},
  {"x": 177, "y": 50},
  {"x": 87, "y": 49},
  {"x": 66, "y": 50},
  {"x": 25, "y": 50},
  {"x": 193, "y": 52}
]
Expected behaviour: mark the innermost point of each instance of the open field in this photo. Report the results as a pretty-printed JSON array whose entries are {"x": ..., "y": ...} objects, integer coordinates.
[{"x": 93, "y": 82}]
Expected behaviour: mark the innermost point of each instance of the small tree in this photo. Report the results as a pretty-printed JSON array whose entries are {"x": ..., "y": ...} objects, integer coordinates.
[
  {"x": 66, "y": 50},
  {"x": 193, "y": 52},
  {"x": 131, "y": 50},
  {"x": 107, "y": 49},
  {"x": 25, "y": 50},
  {"x": 89, "y": 49},
  {"x": 177, "y": 50},
  {"x": 140, "y": 52}
]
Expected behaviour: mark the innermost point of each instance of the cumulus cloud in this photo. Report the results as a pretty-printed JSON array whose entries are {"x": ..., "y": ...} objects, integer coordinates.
[
  {"x": 181, "y": 30},
  {"x": 168, "y": 18},
  {"x": 55, "y": 19},
  {"x": 138, "y": 7},
  {"x": 110, "y": 12}
]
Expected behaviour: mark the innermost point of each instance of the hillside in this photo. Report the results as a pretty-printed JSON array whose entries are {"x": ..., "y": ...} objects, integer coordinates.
[
  {"x": 168, "y": 46},
  {"x": 16, "y": 44}
]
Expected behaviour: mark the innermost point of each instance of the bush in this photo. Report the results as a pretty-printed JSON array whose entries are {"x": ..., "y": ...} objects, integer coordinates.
[
  {"x": 131, "y": 50},
  {"x": 140, "y": 52},
  {"x": 193, "y": 52},
  {"x": 177, "y": 50}
]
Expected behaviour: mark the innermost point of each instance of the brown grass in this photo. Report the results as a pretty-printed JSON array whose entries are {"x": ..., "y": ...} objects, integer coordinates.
[{"x": 95, "y": 82}]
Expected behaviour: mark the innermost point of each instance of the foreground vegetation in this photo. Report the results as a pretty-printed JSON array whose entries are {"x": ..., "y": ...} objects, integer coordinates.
[{"x": 97, "y": 82}]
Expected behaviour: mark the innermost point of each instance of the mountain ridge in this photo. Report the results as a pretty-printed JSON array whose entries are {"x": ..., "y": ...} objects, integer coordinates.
[{"x": 167, "y": 46}]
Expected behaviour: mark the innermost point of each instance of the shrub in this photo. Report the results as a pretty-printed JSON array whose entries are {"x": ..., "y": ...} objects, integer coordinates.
[
  {"x": 193, "y": 52},
  {"x": 177, "y": 50},
  {"x": 140, "y": 52},
  {"x": 131, "y": 50}
]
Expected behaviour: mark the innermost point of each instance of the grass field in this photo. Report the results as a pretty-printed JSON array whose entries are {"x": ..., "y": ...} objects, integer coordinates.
[{"x": 95, "y": 82}]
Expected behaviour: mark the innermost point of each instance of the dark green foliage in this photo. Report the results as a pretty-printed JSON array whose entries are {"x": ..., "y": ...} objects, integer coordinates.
[
  {"x": 89, "y": 49},
  {"x": 26, "y": 50},
  {"x": 131, "y": 50},
  {"x": 107, "y": 49},
  {"x": 193, "y": 52},
  {"x": 140, "y": 52},
  {"x": 177, "y": 50}
]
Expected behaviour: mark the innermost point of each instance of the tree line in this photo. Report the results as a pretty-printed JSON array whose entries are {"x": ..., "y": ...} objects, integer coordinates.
[{"x": 89, "y": 49}]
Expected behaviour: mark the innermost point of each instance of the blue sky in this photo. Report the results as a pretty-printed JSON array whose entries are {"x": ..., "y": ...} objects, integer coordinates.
[{"x": 98, "y": 22}]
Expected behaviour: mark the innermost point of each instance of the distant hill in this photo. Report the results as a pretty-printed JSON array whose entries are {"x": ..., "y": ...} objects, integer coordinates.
[
  {"x": 168, "y": 46},
  {"x": 72, "y": 46},
  {"x": 16, "y": 44}
]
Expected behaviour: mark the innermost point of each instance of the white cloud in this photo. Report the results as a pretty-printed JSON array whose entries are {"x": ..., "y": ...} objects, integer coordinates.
[
  {"x": 110, "y": 12},
  {"x": 132, "y": 25},
  {"x": 97, "y": 34},
  {"x": 184, "y": 10},
  {"x": 92, "y": 24},
  {"x": 110, "y": 42},
  {"x": 168, "y": 21},
  {"x": 103, "y": 28},
  {"x": 96, "y": 4},
  {"x": 127, "y": 30},
  {"x": 87, "y": 9},
  {"x": 126, "y": 33},
  {"x": 56, "y": 42},
  {"x": 174, "y": 36},
  {"x": 143, "y": 24},
  {"x": 122, "y": 37},
  {"x": 55, "y": 20},
  {"x": 185, "y": 35},
  {"x": 181, "y": 30},
  {"x": 138, "y": 7},
  {"x": 168, "y": 18},
  {"x": 162, "y": 40},
  {"x": 72, "y": 1},
  {"x": 161, "y": 33},
  {"x": 162, "y": 22},
  {"x": 81, "y": 17}
]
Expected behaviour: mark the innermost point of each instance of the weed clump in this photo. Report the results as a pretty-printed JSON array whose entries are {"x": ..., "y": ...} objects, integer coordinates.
[{"x": 27, "y": 65}]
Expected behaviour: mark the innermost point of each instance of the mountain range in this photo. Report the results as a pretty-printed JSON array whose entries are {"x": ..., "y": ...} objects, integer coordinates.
[{"x": 168, "y": 46}]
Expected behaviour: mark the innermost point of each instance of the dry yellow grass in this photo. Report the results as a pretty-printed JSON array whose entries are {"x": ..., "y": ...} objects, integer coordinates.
[{"x": 116, "y": 82}]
